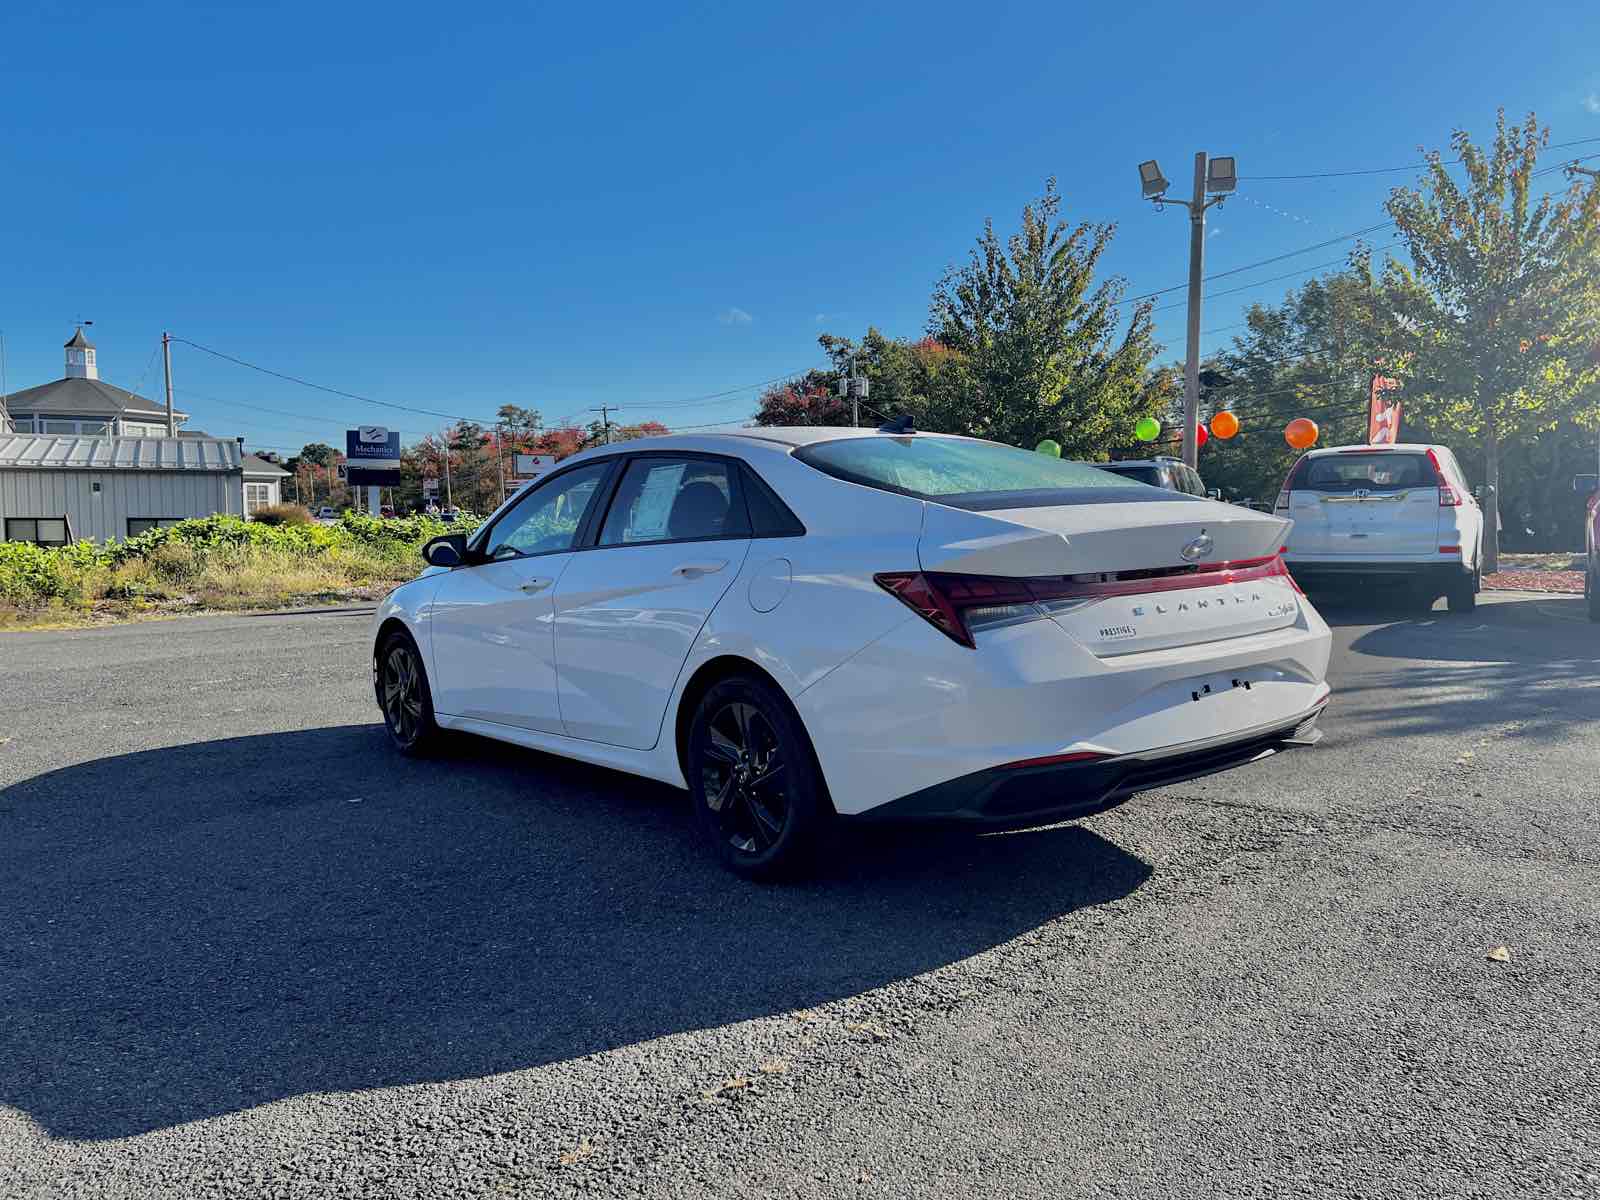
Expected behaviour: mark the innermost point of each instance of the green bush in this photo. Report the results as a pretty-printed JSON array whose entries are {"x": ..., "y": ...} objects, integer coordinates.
[{"x": 204, "y": 552}]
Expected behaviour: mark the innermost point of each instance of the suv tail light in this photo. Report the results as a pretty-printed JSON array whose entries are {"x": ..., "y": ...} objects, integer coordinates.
[
  {"x": 1448, "y": 496},
  {"x": 960, "y": 605},
  {"x": 1282, "y": 503}
]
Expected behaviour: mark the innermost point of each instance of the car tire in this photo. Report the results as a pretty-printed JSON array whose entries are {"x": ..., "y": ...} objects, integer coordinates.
[
  {"x": 1463, "y": 593},
  {"x": 759, "y": 799},
  {"x": 401, "y": 683}
]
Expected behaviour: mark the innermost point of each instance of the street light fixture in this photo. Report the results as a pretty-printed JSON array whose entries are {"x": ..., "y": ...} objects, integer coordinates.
[
  {"x": 1211, "y": 187},
  {"x": 1152, "y": 180},
  {"x": 1221, "y": 176}
]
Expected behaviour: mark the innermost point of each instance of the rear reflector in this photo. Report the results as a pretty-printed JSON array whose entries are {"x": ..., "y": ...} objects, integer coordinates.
[
  {"x": 1052, "y": 760},
  {"x": 949, "y": 602},
  {"x": 1449, "y": 549}
]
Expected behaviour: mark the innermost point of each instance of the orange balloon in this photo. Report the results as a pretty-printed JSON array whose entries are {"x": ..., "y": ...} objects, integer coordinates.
[
  {"x": 1224, "y": 425},
  {"x": 1301, "y": 433}
]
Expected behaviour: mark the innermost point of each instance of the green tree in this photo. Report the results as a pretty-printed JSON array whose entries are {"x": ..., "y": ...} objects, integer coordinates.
[
  {"x": 1501, "y": 302},
  {"x": 1045, "y": 351}
]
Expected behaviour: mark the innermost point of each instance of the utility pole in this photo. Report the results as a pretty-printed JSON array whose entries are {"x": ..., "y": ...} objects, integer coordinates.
[
  {"x": 1216, "y": 178},
  {"x": 500, "y": 462},
  {"x": 166, "y": 362},
  {"x": 854, "y": 386},
  {"x": 444, "y": 450},
  {"x": 605, "y": 421}
]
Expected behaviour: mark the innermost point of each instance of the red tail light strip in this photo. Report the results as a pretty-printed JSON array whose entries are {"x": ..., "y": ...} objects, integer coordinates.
[{"x": 941, "y": 599}]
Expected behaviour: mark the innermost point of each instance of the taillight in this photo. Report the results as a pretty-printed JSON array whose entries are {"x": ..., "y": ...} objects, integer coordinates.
[
  {"x": 1448, "y": 496},
  {"x": 962, "y": 605},
  {"x": 1282, "y": 504}
]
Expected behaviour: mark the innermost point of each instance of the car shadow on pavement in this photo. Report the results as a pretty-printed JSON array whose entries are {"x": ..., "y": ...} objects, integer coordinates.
[
  {"x": 1527, "y": 666},
  {"x": 197, "y": 930}
]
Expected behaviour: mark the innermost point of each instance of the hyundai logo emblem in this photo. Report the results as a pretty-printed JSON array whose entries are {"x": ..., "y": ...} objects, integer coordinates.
[{"x": 1197, "y": 549}]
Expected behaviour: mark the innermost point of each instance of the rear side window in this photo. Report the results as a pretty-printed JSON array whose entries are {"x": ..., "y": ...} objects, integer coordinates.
[
  {"x": 769, "y": 516},
  {"x": 954, "y": 470},
  {"x": 1381, "y": 471}
]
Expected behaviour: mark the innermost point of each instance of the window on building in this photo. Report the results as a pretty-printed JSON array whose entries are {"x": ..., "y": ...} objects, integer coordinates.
[
  {"x": 94, "y": 428},
  {"x": 60, "y": 427},
  {"x": 41, "y": 531},
  {"x": 256, "y": 495},
  {"x": 138, "y": 525}
]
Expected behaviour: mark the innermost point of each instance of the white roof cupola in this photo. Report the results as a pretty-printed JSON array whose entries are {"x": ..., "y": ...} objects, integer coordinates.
[{"x": 80, "y": 357}]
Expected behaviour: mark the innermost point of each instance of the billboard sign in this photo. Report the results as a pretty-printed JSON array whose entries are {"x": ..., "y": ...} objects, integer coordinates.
[
  {"x": 372, "y": 455},
  {"x": 531, "y": 466}
]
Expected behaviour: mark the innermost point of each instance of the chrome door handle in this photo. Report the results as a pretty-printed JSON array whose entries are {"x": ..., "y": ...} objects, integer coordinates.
[
  {"x": 535, "y": 585},
  {"x": 695, "y": 570}
]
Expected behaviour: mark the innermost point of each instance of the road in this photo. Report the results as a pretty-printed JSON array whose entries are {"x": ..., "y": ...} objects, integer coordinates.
[{"x": 247, "y": 951}]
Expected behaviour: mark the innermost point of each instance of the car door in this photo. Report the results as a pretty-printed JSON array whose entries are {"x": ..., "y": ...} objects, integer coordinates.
[
  {"x": 629, "y": 609},
  {"x": 493, "y": 648}
]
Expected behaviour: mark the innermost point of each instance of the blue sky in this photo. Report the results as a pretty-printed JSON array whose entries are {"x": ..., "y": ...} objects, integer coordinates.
[{"x": 562, "y": 206}]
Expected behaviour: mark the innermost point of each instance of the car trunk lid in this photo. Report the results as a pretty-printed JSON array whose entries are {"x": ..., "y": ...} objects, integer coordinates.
[{"x": 1126, "y": 577}]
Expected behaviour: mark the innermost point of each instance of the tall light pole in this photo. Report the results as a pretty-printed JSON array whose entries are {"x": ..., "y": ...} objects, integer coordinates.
[{"x": 1215, "y": 178}]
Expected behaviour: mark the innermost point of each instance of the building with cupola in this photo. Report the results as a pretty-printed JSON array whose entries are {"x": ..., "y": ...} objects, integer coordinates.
[{"x": 83, "y": 458}]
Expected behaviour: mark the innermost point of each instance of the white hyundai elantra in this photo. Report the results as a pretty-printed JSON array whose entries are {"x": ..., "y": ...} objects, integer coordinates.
[{"x": 810, "y": 623}]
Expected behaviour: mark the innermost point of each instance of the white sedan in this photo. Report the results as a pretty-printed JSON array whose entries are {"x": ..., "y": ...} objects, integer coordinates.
[{"x": 806, "y": 624}]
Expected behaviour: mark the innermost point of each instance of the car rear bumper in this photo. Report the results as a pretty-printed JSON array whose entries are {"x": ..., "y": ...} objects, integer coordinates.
[{"x": 1015, "y": 797}]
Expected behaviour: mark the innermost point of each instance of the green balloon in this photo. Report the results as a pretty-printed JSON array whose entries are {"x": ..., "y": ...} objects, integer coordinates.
[
  {"x": 1049, "y": 446},
  {"x": 1147, "y": 430}
]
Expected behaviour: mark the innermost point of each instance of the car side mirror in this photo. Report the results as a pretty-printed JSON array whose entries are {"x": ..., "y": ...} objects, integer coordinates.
[
  {"x": 1586, "y": 485},
  {"x": 447, "y": 550},
  {"x": 1215, "y": 493}
]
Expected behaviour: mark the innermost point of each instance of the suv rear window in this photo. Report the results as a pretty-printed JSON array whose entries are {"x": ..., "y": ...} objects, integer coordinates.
[
  {"x": 1373, "y": 472},
  {"x": 964, "y": 472},
  {"x": 1144, "y": 473}
]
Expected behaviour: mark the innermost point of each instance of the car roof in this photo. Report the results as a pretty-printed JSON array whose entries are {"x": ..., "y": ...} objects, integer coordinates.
[
  {"x": 1413, "y": 447},
  {"x": 736, "y": 441}
]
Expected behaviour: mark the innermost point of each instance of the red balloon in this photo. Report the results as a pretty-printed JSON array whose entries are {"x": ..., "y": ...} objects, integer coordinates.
[{"x": 1200, "y": 436}]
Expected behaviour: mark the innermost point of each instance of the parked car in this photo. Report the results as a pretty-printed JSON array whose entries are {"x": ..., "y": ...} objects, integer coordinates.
[
  {"x": 1162, "y": 472},
  {"x": 1588, "y": 486},
  {"x": 798, "y": 624},
  {"x": 1391, "y": 516},
  {"x": 449, "y": 513},
  {"x": 327, "y": 513}
]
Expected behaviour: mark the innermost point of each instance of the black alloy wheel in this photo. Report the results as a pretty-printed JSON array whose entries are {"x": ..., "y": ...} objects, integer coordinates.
[
  {"x": 757, "y": 792},
  {"x": 404, "y": 696}
]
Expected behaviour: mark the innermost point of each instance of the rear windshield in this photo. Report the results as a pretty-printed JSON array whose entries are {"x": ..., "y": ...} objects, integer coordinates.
[
  {"x": 1382, "y": 471},
  {"x": 965, "y": 473},
  {"x": 1144, "y": 474}
]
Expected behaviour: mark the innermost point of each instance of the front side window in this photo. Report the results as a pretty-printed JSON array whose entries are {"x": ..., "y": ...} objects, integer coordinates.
[
  {"x": 42, "y": 531},
  {"x": 951, "y": 469},
  {"x": 674, "y": 500},
  {"x": 548, "y": 517}
]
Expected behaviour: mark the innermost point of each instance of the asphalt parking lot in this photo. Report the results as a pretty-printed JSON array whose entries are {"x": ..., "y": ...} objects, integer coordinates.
[{"x": 248, "y": 951}]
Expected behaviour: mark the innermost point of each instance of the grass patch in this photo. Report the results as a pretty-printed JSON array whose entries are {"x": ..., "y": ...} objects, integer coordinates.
[{"x": 212, "y": 564}]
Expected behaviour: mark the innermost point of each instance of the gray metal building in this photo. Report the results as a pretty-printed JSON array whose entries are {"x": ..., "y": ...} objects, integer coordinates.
[{"x": 57, "y": 488}]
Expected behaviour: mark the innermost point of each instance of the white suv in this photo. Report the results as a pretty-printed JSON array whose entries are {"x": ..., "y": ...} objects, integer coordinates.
[{"x": 1385, "y": 515}]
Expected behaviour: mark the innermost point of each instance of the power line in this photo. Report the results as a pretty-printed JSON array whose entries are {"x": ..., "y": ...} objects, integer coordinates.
[{"x": 1390, "y": 170}]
